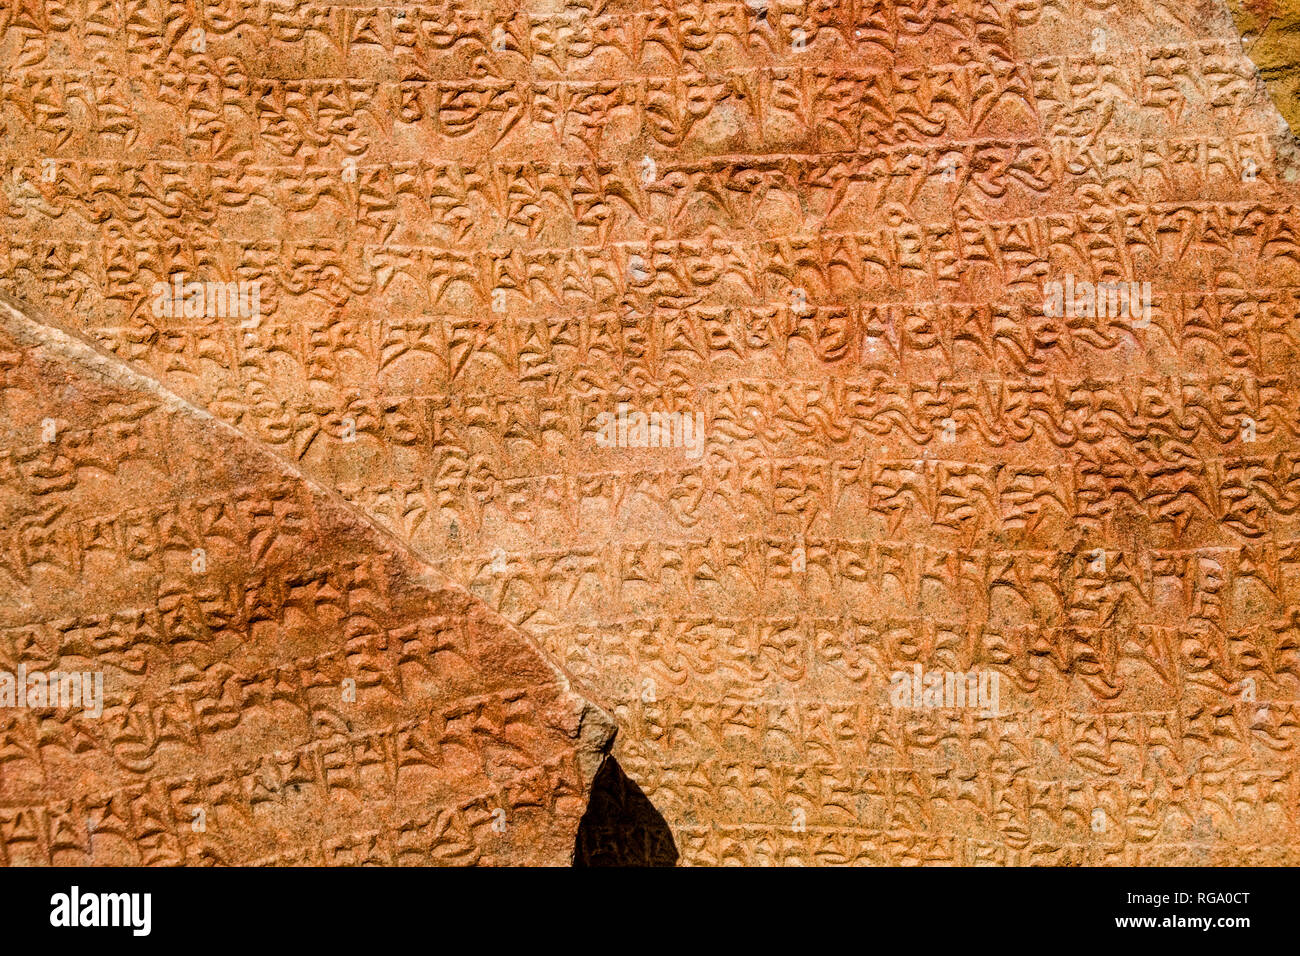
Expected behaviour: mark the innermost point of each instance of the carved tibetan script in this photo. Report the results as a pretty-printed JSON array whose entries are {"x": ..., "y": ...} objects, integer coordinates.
[{"x": 887, "y": 412}]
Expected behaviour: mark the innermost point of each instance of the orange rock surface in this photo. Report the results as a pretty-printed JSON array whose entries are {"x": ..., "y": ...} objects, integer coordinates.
[
  {"x": 282, "y": 682},
  {"x": 888, "y": 411}
]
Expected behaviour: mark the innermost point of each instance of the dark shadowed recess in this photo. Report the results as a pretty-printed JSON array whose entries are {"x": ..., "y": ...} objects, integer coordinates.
[{"x": 621, "y": 826}]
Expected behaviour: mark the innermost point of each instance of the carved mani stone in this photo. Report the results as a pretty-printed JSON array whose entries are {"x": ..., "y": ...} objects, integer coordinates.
[
  {"x": 888, "y": 409},
  {"x": 282, "y": 681}
]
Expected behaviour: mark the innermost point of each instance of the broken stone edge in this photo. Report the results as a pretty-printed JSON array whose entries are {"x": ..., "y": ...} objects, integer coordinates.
[{"x": 30, "y": 327}]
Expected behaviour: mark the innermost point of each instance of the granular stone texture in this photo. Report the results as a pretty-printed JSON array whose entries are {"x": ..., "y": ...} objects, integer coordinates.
[
  {"x": 888, "y": 409},
  {"x": 1270, "y": 32},
  {"x": 251, "y": 671}
]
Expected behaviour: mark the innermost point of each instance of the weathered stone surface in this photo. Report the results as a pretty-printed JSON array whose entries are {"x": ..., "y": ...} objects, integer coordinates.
[
  {"x": 282, "y": 681},
  {"x": 842, "y": 235},
  {"x": 1270, "y": 30}
]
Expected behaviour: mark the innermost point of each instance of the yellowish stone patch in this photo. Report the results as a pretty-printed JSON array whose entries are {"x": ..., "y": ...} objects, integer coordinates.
[{"x": 1271, "y": 31}]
